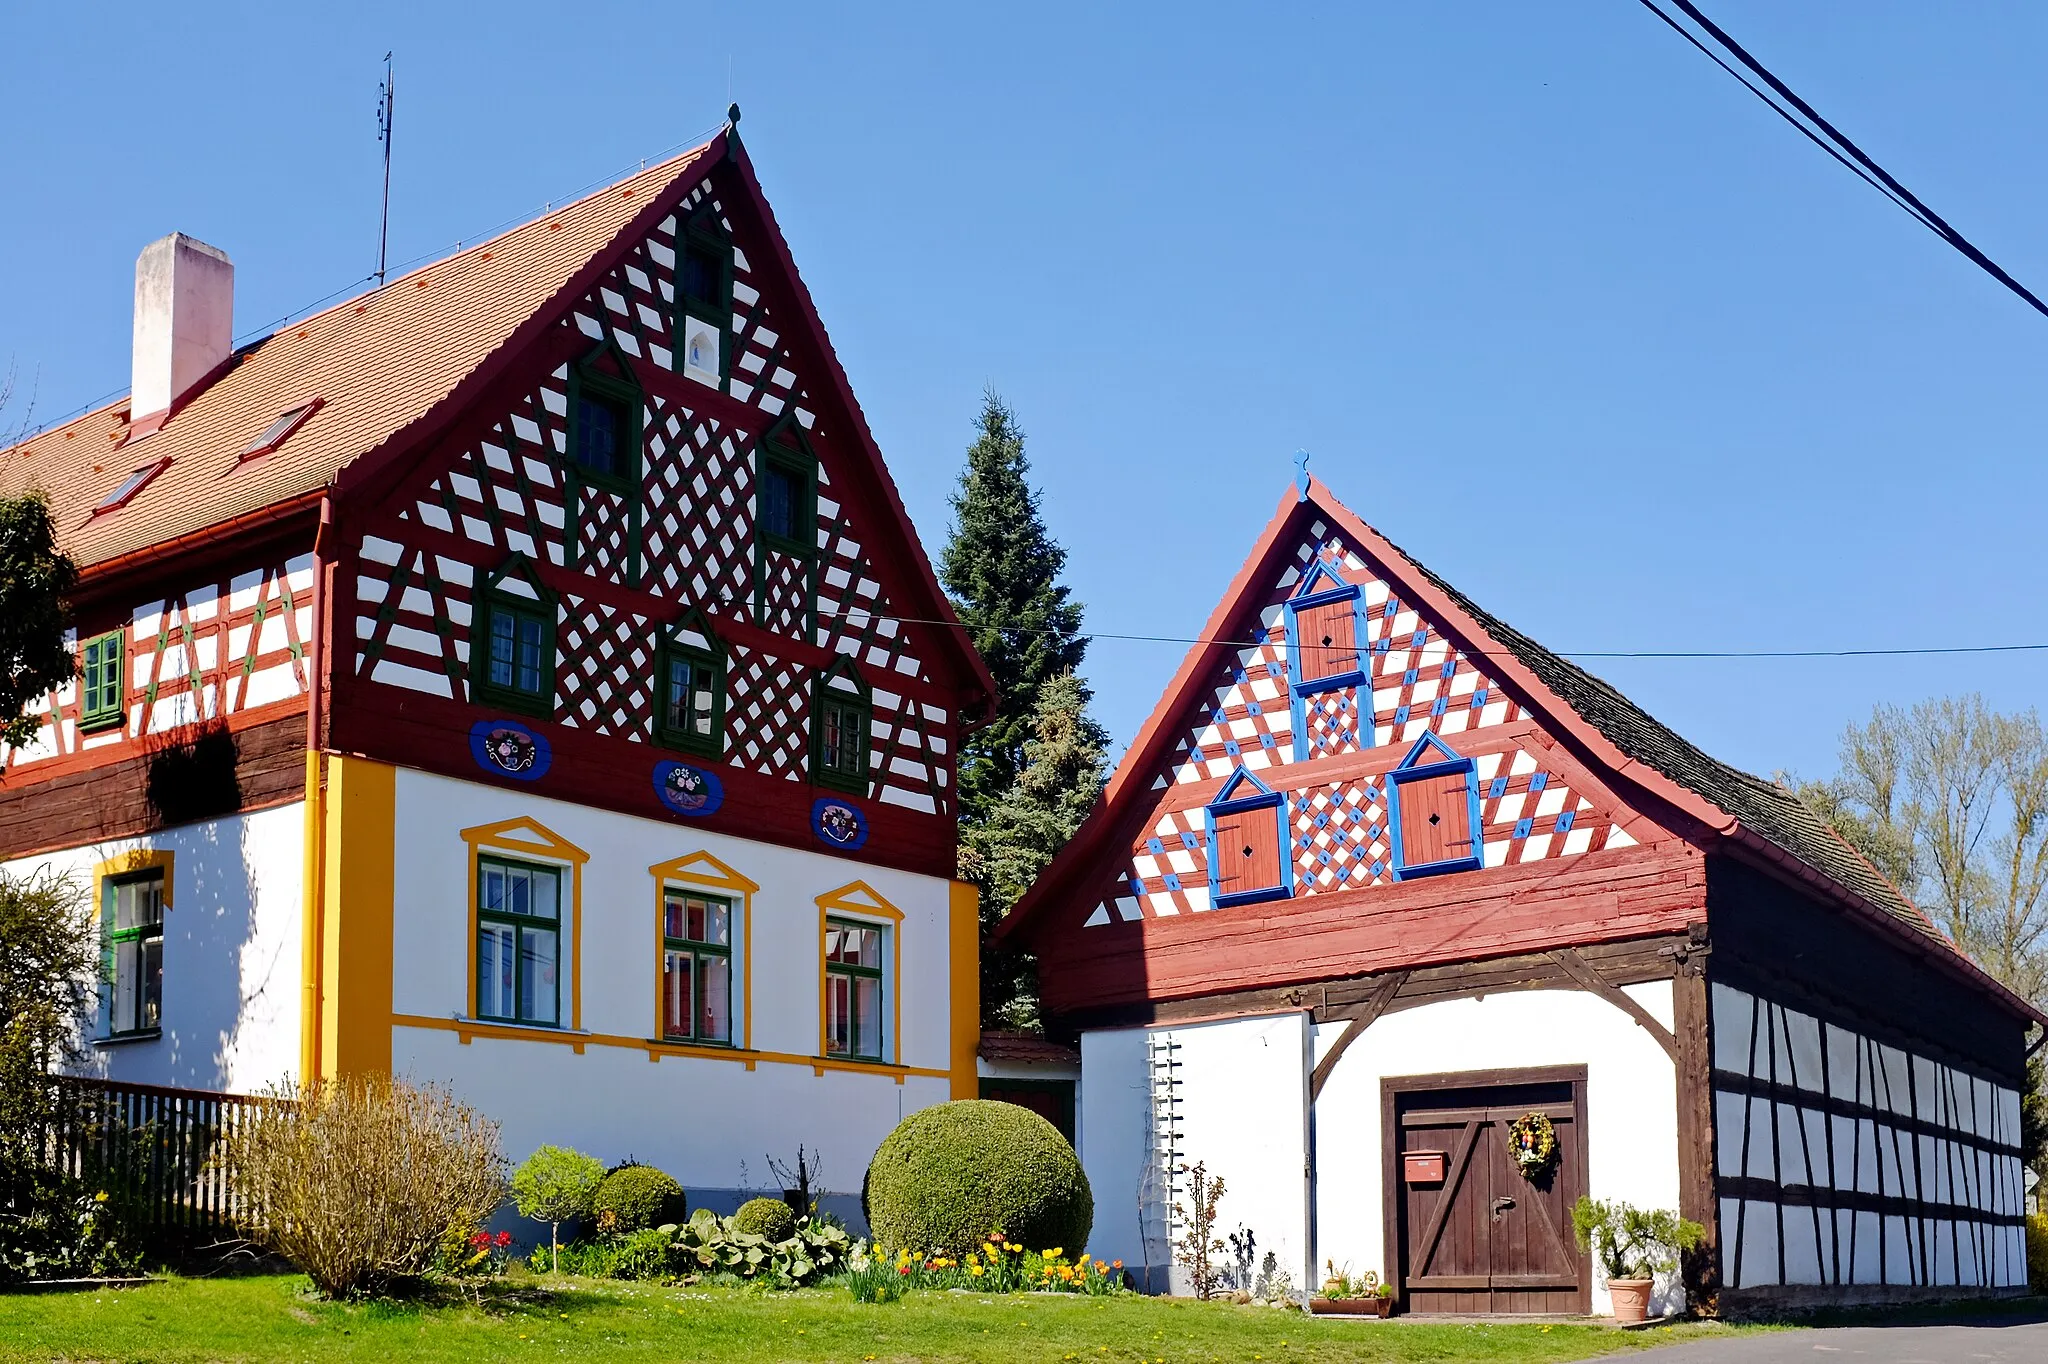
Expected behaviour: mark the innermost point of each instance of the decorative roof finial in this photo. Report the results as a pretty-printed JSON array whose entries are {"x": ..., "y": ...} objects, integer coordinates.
[
  {"x": 732, "y": 115},
  {"x": 1301, "y": 475}
]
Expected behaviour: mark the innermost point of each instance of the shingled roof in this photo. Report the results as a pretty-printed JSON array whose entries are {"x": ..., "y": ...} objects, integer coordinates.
[
  {"x": 378, "y": 362},
  {"x": 1763, "y": 807},
  {"x": 1620, "y": 736}
]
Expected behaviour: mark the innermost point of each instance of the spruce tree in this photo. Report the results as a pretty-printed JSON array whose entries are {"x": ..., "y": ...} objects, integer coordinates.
[
  {"x": 1003, "y": 854},
  {"x": 1002, "y": 570}
]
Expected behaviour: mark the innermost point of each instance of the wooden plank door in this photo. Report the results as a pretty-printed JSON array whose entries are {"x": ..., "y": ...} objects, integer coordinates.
[
  {"x": 1533, "y": 1263},
  {"x": 1473, "y": 1234}
]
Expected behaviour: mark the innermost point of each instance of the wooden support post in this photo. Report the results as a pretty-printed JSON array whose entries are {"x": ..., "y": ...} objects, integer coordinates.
[
  {"x": 1694, "y": 1065},
  {"x": 1375, "y": 1004}
]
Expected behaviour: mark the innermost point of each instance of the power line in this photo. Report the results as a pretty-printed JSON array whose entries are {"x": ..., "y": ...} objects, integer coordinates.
[
  {"x": 1834, "y": 142},
  {"x": 1904, "y": 651}
]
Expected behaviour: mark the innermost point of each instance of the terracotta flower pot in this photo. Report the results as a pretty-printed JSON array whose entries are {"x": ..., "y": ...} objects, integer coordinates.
[
  {"x": 1350, "y": 1307},
  {"x": 1631, "y": 1299}
]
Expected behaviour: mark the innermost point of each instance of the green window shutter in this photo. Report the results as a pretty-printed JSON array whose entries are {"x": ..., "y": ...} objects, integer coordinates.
[{"x": 100, "y": 681}]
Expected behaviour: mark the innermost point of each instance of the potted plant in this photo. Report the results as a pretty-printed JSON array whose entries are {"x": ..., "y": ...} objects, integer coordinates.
[
  {"x": 1352, "y": 1295},
  {"x": 1634, "y": 1246}
]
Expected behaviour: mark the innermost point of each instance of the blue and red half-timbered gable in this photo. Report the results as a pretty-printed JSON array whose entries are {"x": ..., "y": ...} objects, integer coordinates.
[{"x": 1352, "y": 707}]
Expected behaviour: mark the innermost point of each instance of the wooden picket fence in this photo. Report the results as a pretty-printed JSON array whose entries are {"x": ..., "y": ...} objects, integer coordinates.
[{"x": 162, "y": 1150}]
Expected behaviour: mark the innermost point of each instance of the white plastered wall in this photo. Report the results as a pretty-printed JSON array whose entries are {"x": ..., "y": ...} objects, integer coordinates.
[
  {"x": 1231, "y": 1095},
  {"x": 1631, "y": 1103},
  {"x": 699, "y": 1119},
  {"x": 232, "y": 968}
]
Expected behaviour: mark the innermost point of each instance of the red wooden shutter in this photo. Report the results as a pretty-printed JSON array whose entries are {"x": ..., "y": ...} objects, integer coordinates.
[
  {"x": 1329, "y": 639},
  {"x": 1436, "y": 820},
  {"x": 1247, "y": 851}
]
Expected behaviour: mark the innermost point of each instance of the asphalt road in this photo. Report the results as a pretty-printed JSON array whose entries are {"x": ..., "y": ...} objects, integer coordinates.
[{"x": 2019, "y": 1342}]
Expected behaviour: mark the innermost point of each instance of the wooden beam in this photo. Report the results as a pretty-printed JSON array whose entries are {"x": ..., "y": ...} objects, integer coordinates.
[
  {"x": 1374, "y": 1005},
  {"x": 1575, "y": 966}
]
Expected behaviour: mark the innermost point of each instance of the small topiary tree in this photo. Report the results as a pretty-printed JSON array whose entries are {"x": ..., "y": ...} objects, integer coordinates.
[
  {"x": 556, "y": 1185},
  {"x": 636, "y": 1197},
  {"x": 951, "y": 1174},
  {"x": 768, "y": 1218}
]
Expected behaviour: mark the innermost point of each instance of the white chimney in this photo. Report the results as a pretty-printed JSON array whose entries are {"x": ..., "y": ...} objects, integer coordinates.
[{"x": 184, "y": 321}]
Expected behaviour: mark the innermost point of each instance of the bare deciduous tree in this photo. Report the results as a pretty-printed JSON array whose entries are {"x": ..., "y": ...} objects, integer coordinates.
[{"x": 1950, "y": 800}]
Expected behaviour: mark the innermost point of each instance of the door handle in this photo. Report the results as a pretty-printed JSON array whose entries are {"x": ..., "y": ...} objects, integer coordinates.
[{"x": 1501, "y": 1205}]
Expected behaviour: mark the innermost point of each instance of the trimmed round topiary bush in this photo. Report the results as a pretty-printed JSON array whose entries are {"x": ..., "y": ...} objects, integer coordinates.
[
  {"x": 951, "y": 1174},
  {"x": 638, "y": 1197},
  {"x": 768, "y": 1218}
]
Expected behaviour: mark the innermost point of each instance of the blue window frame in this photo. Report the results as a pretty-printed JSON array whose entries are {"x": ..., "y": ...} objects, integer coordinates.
[
  {"x": 1326, "y": 641},
  {"x": 1250, "y": 853},
  {"x": 1435, "y": 784}
]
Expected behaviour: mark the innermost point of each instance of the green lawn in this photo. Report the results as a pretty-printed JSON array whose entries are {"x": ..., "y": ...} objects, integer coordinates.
[{"x": 273, "y": 1318}]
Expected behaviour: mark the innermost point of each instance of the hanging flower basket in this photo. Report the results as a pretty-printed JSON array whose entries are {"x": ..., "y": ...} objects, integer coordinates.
[{"x": 1532, "y": 1143}]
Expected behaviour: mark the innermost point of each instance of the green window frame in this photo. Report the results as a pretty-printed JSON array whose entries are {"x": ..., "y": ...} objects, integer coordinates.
[
  {"x": 841, "y": 711},
  {"x": 704, "y": 264},
  {"x": 518, "y": 942},
  {"x": 689, "y": 688},
  {"x": 604, "y": 419},
  {"x": 698, "y": 1001},
  {"x": 512, "y": 641},
  {"x": 786, "y": 501},
  {"x": 132, "y": 917},
  {"x": 101, "y": 690},
  {"x": 855, "y": 989}
]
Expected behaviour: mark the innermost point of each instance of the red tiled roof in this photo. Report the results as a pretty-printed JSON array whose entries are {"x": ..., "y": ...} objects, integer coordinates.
[
  {"x": 1001, "y": 1044},
  {"x": 378, "y": 362}
]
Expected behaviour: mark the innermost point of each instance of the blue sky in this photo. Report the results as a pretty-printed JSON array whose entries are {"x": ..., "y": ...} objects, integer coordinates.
[{"x": 1554, "y": 303}]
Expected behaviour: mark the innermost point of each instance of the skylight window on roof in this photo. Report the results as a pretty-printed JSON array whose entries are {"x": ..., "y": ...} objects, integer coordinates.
[
  {"x": 280, "y": 430},
  {"x": 129, "y": 486}
]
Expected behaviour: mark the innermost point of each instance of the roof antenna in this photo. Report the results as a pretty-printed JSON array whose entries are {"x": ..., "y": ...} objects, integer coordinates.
[
  {"x": 1301, "y": 475},
  {"x": 385, "y": 99}
]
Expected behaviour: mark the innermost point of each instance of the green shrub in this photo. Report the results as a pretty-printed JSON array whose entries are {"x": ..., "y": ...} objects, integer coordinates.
[
  {"x": 950, "y": 1175},
  {"x": 556, "y": 1185},
  {"x": 636, "y": 1197},
  {"x": 2037, "y": 1251},
  {"x": 768, "y": 1218}
]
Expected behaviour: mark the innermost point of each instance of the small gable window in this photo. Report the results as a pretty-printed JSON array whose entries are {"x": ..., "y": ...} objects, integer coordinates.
[
  {"x": 691, "y": 688},
  {"x": 788, "y": 498},
  {"x": 704, "y": 296},
  {"x": 1434, "y": 802},
  {"x": 1322, "y": 631},
  {"x": 839, "y": 730},
  {"x": 1247, "y": 843},
  {"x": 604, "y": 421},
  {"x": 100, "y": 682},
  {"x": 512, "y": 650},
  {"x": 279, "y": 431}
]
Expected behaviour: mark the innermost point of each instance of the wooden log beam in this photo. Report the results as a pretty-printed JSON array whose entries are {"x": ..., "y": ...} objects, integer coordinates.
[
  {"x": 1582, "y": 974},
  {"x": 1364, "y": 1016}
]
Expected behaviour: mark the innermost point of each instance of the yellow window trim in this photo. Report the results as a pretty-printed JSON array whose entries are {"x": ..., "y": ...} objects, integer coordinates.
[
  {"x": 701, "y": 869},
  {"x": 524, "y": 837},
  {"x": 129, "y": 864},
  {"x": 468, "y": 1029},
  {"x": 858, "y": 900}
]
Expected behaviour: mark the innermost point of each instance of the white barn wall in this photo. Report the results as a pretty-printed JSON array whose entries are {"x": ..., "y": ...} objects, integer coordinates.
[
  {"x": 697, "y": 1118},
  {"x": 232, "y": 966},
  {"x": 1631, "y": 1103},
  {"x": 1231, "y": 1095}
]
